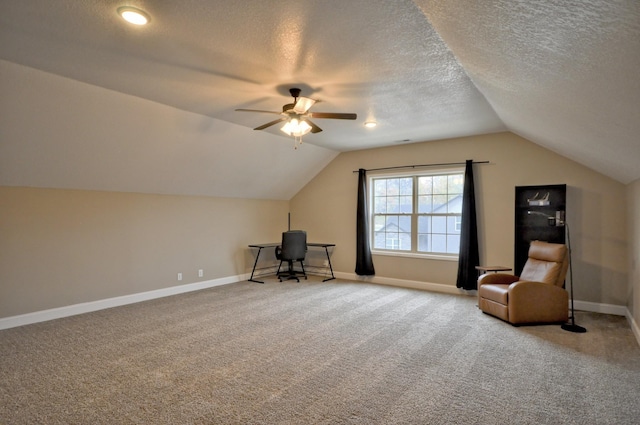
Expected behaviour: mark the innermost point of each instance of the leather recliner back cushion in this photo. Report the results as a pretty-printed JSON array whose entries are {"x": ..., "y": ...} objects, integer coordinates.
[
  {"x": 547, "y": 252},
  {"x": 541, "y": 271}
]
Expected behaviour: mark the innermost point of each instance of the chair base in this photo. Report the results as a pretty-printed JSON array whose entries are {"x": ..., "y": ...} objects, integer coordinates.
[{"x": 291, "y": 274}]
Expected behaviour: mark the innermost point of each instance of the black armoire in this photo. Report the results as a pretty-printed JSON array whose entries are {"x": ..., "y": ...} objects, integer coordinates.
[{"x": 540, "y": 215}]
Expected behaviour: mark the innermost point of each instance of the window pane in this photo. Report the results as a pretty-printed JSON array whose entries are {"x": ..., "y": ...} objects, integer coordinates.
[
  {"x": 380, "y": 187},
  {"x": 391, "y": 224},
  {"x": 438, "y": 243},
  {"x": 379, "y": 231},
  {"x": 424, "y": 204},
  {"x": 393, "y": 204},
  {"x": 405, "y": 241},
  {"x": 406, "y": 204},
  {"x": 453, "y": 225},
  {"x": 379, "y": 205},
  {"x": 405, "y": 224},
  {"x": 392, "y": 241},
  {"x": 392, "y": 232},
  {"x": 393, "y": 187},
  {"x": 424, "y": 224},
  {"x": 424, "y": 244},
  {"x": 404, "y": 232},
  {"x": 439, "y": 204},
  {"x": 453, "y": 244},
  {"x": 440, "y": 185},
  {"x": 378, "y": 240},
  {"x": 425, "y": 185},
  {"x": 454, "y": 204},
  {"x": 424, "y": 236},
  {"x": 406, "y": 186},
  {"x": 439, "y": 224},
  {"x": 456, "y": 183}
]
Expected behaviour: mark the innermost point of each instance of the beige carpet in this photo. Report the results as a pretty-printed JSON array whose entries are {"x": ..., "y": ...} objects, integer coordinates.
[{"x": 316, "y": 353}]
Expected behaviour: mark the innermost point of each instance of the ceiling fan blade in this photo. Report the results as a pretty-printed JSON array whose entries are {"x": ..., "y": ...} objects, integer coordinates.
[
  {"x": 269, "y": 124},
  {"x": 314, "y": 128},
  {"x": 334, "y": 115},
  {"x": 258, "y": 110},
  {"x": 303, "y": 104}
]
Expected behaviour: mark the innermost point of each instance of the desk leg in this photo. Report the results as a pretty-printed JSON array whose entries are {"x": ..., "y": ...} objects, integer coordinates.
[
  {"x": 251, "y": 279},
  {"x": 326, "y": 249}
]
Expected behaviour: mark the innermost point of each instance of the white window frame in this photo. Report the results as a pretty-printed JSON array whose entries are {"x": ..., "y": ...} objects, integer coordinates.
[{"x": 413, "y": 253}]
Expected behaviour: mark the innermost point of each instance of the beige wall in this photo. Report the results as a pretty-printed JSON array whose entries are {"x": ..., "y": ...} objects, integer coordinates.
[
  {"x": 326, "y": 208},
  {"x": 63, "y": 247},
  {"x": 634, "y": 252}
]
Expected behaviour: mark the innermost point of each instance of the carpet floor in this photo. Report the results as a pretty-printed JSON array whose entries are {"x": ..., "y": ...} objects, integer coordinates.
[{"x": 316, "y": 353}]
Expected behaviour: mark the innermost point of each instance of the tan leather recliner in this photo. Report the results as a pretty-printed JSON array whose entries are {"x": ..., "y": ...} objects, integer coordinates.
[{"x": 537, "y": 296}]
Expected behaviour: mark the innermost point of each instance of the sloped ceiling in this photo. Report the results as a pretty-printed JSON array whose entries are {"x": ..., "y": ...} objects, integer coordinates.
[{"x": 561, "y": 74}]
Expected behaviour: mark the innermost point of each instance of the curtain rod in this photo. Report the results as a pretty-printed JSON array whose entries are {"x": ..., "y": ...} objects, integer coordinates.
[{"x": 423, "y": 165}]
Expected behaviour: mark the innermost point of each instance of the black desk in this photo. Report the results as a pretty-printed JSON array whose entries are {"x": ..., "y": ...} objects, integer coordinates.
[{"x": 260, "y": 247}]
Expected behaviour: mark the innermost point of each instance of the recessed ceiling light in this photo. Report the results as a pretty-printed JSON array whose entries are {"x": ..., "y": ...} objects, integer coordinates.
[
  {"x": 133, "y": 15},
  {"x": 370, "y": 124}
]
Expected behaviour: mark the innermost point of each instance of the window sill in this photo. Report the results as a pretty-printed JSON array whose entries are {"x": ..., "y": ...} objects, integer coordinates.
[{"x": 440, "y": 257}]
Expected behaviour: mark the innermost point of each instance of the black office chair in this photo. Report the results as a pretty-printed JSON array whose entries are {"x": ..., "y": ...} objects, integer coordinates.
[{"x": 293, "y": 248}]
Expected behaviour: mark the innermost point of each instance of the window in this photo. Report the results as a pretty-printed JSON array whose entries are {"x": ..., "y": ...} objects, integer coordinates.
[{"x": 418, "y": 213}]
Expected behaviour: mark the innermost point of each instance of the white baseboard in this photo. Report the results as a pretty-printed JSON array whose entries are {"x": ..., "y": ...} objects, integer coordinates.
[
  {"x": 634, "y": 326},
  {"x": 72, "y": 310},
  {"x": 412, "y": 284},
  {"x": 618, "y": 310}
]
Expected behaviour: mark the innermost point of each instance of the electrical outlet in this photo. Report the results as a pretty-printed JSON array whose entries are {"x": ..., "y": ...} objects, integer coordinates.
[
  {"x": 200, "y": 273},
  {"x": 179, "y": 276}
]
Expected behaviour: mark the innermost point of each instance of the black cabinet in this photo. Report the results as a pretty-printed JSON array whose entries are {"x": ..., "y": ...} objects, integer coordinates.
[{"x": 539, "y": 215}]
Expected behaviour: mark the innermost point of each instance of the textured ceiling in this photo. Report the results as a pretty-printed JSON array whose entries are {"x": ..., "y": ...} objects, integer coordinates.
[{"x": 561, "y": 74}]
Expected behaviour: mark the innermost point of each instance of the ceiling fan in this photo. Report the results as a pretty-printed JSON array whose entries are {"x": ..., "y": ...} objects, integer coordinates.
[{"x": 297, "y": 116}]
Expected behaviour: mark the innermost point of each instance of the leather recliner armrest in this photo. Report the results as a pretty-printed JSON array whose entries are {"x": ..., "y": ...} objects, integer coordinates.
[{"x": 497, "y": 278}]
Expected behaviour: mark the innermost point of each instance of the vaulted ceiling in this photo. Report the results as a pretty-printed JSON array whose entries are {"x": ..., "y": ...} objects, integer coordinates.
[{"x": 561, "y": 74}]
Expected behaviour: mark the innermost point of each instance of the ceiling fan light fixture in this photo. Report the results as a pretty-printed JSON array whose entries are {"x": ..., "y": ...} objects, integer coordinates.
[
  {"x": 370, "y": 124},
  {"x": 296, "y": 128},
  {"x": 133, "y": 15}
]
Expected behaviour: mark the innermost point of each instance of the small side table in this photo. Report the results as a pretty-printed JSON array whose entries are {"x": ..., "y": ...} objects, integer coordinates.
[{"x": 495, "y": 269}]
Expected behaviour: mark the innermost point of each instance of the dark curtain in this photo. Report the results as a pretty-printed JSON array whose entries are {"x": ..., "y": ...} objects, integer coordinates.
[
  {"x": 469, "y": 255},
  {"x": 364, "y": 262}
]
